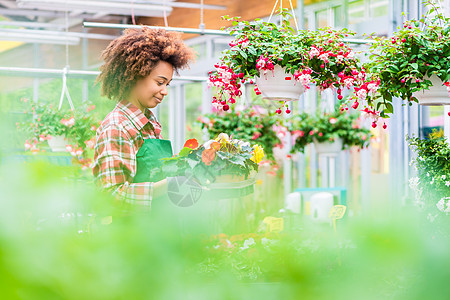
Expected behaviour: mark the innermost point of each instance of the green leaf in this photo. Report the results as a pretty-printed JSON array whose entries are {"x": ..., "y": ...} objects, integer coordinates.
[{"x": 185, "y": 152}]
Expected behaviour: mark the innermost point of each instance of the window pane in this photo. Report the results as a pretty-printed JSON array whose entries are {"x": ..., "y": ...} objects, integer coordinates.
[{"x": 356, "y": 12}]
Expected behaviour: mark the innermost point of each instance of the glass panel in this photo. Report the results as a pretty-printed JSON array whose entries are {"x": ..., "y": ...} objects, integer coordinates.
[
  {"x": 339, "y": 16},
  {"x": 193, "y": 103},
  {"x": 356, "y": 12},
  {"x": 322, "y": 18},
  {"x": 379, "y": 8}
]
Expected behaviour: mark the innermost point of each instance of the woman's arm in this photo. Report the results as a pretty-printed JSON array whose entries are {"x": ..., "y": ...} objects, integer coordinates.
[{"x": 115, "y": 167}]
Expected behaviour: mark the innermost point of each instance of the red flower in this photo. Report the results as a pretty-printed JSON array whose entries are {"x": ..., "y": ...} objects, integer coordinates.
[{"x": 192, "y": 143}]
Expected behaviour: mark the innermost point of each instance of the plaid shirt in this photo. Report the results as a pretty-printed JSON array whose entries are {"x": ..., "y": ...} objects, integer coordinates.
[{"x": 119, "y": 138}]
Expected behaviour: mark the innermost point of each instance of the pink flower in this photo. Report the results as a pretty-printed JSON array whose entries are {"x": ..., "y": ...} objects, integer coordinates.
[
  {"x": 372, "y": 87},
  {"x": 313, "y": 52},
  {"x": 333, "y": 120},
  {"x": 256, "y": 135},
  {"x": 69, "y": 122},
  {"x": 28, "y": 145},
  {"x": 348, "y": 82},
  {"x": 361, "y": 94},
  {"x": 324, "y": 57},
  {"x": 90, "y": 143},
  {"x": 260, "y": 63}
]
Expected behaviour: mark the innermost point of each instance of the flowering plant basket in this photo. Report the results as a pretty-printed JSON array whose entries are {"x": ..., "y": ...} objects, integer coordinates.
[
  {"x": 221, "y": 156},
  {"x": 248, "y": 125},
  {"x": 307, "y": 57},
  {"x": 75, "y": 128},
  {"x": 326, "y": 128},
  {"x": 408, "y": 62}
]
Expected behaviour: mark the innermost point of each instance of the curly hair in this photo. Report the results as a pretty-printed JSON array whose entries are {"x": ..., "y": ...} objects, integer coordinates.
[{"x": 133, "y": 56}]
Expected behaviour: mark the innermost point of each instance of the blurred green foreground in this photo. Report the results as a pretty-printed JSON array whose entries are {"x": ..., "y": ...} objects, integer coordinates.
[{"x": 63, "y": 239}]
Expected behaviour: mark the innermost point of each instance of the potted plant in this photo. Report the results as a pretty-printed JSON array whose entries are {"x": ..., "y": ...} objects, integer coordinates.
[
  {"x": 252, "y": 125},
  {"x": 220, "y": 160},
  {"x": 63, "y": 130},
  {"x": 285, "y": 61},
  {"x": 413, "y": 64},
  {"x": 432, "y": 183},
  {"x": 330, "y": 132}
]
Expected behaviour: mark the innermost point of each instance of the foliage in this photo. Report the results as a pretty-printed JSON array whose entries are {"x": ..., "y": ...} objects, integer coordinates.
[
  {"x": 248, "y": 125},
  {"x": 320, "y": 57},
  {"x": 327, "y": 127},
  {"x": 400, "y": 63},
  {"x": 217, "y": 157},
  {"x": 432, "y": 183}
]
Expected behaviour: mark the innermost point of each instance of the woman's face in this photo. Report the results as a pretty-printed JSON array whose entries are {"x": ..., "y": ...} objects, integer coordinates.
[{"x": 150, "y": 91}]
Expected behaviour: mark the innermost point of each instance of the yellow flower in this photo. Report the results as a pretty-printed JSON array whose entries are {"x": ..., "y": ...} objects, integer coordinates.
[{"x": 258, "y": 153}]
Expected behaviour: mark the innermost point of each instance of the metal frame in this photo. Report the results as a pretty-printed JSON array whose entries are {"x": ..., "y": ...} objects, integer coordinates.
[
  {"x": 55, "y": 73},
  {"x": 188, "y": 30}
]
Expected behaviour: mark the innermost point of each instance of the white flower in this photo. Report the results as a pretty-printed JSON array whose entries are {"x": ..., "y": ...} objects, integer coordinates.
[
  {"x": 373, "y": 87},
  {"x": 361, "y": 94},
  {"x": 207, "y": 145},
  {"x": 443, "y": 177},
  {"x": 248, "y": 243},
  {"x": 444, "y": 204},
  {"x": 447, "y": 183},
  {"x": 413, "y": 183},
  {"x": 432, "y": 181},
  {"x": 428, "y": 174},
  {"x": 243, "y": 144},
  {"x": 223, "y": 136}
]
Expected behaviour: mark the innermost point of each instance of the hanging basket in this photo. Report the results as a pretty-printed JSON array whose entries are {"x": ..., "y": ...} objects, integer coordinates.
[
  {"x": 437, "y": 94},
  {"x": 58, "y": 143},
  {"x": 278, "y": 85},
  {"x": 329, "y": 147}
]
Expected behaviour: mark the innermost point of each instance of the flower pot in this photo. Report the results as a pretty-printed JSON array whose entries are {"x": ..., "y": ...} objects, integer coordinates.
[
  {"x": 436, "y": 95},
  {"x": 274, "y": 86},
  {"x": 328, "y": 147},
  {"x": 58, "y": 143},
  {"x": 228, "y": 178}
]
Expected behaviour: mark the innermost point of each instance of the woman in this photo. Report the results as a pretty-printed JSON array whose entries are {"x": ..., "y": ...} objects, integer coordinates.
[{"x": 138, "y": 67}]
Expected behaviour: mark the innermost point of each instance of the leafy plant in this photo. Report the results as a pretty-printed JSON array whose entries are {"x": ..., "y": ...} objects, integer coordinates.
[
  {"x": 248, "y": 125},
  {"x": 222, "y": 156},
  {"x": 400, "y": 64},
  {"x": 327, "y": 127},
  {"x": 320, "y": 57},
  {"x": 433, "y": 170}
]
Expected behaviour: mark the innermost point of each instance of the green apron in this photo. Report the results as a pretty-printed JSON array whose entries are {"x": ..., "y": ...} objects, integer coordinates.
[{"x": 148, "y": 158}]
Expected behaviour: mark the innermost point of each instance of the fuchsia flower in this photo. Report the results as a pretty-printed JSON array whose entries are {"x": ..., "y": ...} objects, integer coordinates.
[
  {"x": 447, "y": 84},
  {"x": 314, "y": 52},
  {"x": 304, "y": 77}
]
